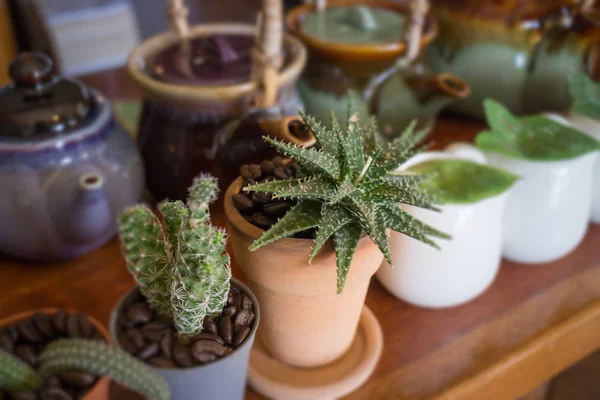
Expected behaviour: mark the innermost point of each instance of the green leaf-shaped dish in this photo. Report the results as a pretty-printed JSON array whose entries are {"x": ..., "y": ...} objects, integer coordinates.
[
  {"x": 536, "y": 137},
  {"x": 586, "y": 93},
  {"x": 463, "y": 182}
]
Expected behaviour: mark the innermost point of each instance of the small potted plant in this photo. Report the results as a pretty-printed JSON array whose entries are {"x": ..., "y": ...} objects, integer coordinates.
[
  {"x": 54, "y": 354},
  {"x": 474, "y": 196},
  {"x": 188, "y": 318},
  {"x": 548, "y": 211},
  {"x": 341, "y": 190}
]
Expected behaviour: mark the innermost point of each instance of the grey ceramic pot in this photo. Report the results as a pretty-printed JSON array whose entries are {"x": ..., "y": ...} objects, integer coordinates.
[{"x": 223, "y": 379}]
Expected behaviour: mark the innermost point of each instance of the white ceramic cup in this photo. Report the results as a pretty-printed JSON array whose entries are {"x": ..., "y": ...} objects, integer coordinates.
[
  {"x": 466, "y": 265},
  {"x": 549, "y": 209},
  {"x": 592, "y": 128}
]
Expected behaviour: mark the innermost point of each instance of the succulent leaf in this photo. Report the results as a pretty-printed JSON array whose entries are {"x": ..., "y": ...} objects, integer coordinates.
[
  {"x": 16, "y": 375},
  {"x": 332, "y": 218},
  {"x": 586, "y": 93},
  {"x": 346, "y": 240},
  {"x": 313, "y": 158},
  {"x": 354, "y": 142},
  {"x": 98, "y": 358},
  {"x": 401, "y": 221},
  {"x": 296, "y": 188},
  {"x": 326, "y": 142}
]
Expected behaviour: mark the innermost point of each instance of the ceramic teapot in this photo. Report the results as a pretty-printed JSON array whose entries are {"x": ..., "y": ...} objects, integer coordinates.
[
  {"x": 66, "y": 168},
  {"x": 355, "y": 45},
  {"x": 519, "y": 52}
]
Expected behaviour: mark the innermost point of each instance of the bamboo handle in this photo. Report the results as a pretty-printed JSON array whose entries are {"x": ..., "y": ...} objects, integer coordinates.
[
  {"x": 178, "y": 15},
  {"x": 414, "y": 29}
]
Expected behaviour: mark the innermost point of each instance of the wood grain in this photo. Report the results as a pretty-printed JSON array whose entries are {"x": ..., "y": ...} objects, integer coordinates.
[{"x": 532, "y": 323}]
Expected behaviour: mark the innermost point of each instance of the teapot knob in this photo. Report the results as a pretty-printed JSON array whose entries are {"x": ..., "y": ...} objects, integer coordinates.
[{"x": 31, "y": 69}]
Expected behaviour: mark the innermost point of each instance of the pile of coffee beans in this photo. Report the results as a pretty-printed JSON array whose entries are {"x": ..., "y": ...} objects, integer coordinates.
[
  {"x": 260, "y": 209},
  {"x": 27, "y": 339},
  {"x": 156, "y": 342}
]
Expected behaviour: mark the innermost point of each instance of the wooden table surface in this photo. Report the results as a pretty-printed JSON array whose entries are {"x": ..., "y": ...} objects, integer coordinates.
[{"x": 532, "y": 323}]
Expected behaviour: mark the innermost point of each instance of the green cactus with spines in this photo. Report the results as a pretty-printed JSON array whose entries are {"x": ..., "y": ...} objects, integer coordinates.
[
  {"x": 16, "y": 375},
  {"x": 345, "y": 190},
  {"x": 196, "y": 278},
  {"x": 98, "y": 358}
]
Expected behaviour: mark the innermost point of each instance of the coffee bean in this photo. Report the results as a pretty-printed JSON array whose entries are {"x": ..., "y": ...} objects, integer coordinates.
[
  {"x": 267, "y": 167},
  {"x": 139, "y": 314},
  {"x": 60, "y": 320},
  {"x": 76, "y": 379},
  {"x": 85, "y": 326},
  {"x": 27, "y": 354},
  {"x": 165, "y": 343},
  {"x": 248, "y": 218},
  {"x": 229, "y": 298},
  {"x": 231, "y": 310},
  {"x": 29, "y": 331},
  {"x": 127, "y": 345},
  {"x": 211, "y": 346},
  {"x": 162, "y": 362},
  {"x": 240, "y": 336},
  {"x": 136, "y": 337},
  {"x": 280, "y": 173},
  {"x": 182, "y": 355},
  {"x": 73, "y": 328},
  {"x": 255, "y": 170},
  {"x": 241, "y": 319},
  {"x": 124, "y": 322},
  {"x": 247, "y": 303},
  {"x": 278, "y": 161},
  {"x": 150, "y": 350},
  {"x": 226, "y": 329},
  {"x": 55, "y": 394},
  {"x": 209, "y": 336},
  {"x": 210, "y": 326},
  {"x": 12, "y": 332},
  {"x": 277, "y": 209},
  {"x": 204, "y": 358},
  {"x": 237, "y": 300},
  {"x": 261, "y": 220},
  {"x": 249, "y": 182},
  {"x": 44, "y": 324},
  {"x": 154, "y": 331},
  {"x": 245, "y": 172},
  {"x": 6, "y": 342},
  {"x": 52, "y": 381},
  {"x": 243, "y": 202},
  {"x": 291, "y": 169},
  {"x": 251, "y": 318},
  {"x": 261, "y": 198},
  {"x": 24, "y": 396}
]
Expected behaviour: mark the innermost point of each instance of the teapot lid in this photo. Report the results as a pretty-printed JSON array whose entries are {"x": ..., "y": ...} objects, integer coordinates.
[{"x": 39, "y": 104}]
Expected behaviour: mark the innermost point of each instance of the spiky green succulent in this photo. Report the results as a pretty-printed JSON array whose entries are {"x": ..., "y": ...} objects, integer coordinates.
[
  {"x": 345, "y": 190},
  {"x": 89, "y": 356},
  {"x": 180, "y": 265},
  {"x": 586, "y": 94}
]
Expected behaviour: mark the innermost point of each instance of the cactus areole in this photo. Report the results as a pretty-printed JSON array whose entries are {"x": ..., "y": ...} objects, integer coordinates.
[
  {"x": 345, "y": 190},
  {"x": 179, "y": 263}
]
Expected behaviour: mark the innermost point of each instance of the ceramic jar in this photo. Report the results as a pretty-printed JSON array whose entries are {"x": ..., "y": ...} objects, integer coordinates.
[
  {"x": 223, "y": 379},
  {"x": 355, "y": 59},
  {"x": 195, "y": 94},
  {"x": 67, "y": 169},
  {"x": 464, "y": 266},
  {"x": 521, "y": 54},
  {"x": 548, "y": 211}
]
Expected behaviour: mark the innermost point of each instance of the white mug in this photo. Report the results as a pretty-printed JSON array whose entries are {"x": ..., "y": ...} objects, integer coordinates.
[{"x": 466, "y": 265}]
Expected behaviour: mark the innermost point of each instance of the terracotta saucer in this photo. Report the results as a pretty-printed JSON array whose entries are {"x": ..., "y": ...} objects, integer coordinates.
[{"x": 276, "y": 380}]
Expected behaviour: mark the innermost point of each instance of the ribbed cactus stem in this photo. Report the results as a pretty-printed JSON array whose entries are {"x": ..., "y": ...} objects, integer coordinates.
[
  {"x": 17, "y": 375},
  {"x": 100, "y": 359}
]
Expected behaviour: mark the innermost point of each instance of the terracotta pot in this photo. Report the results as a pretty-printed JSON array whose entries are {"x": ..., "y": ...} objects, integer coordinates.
[
  {"x": 304, "y": 322},
  {"x": 100, "y": 389}
]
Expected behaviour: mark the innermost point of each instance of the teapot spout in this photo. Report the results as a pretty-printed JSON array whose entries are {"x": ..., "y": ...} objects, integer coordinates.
[{"x": 437, "y": 91}]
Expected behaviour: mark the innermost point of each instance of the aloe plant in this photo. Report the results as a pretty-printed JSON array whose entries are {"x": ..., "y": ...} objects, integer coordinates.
[
  {"x": 345, "y": 190},
  {"x": 180, "y": 265},
  {"x": 89, "y": 356}
]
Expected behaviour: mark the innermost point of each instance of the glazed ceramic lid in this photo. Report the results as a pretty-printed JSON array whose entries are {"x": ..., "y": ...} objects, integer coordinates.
[
  {"x": 39, "y": 104},
  {"x": 215, "y": 60}
]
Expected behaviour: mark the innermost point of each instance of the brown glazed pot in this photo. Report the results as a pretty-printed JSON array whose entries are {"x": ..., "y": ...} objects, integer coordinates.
[
  {"x": 100, "y": 389},
  {"x": 304, "y": 322}
]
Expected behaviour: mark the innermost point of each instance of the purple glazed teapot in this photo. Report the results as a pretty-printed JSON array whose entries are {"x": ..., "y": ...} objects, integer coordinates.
[{"x": 66, "y": 168}]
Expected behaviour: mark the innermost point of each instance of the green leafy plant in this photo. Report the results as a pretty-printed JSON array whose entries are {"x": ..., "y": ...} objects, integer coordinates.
[
  {"x": 586, "y": 94},
  {"x": 89, "y": 356},
  {"x": 535, "y": 137},
  {"x": 180, "y": 265},
  {"x": 345, "y": 190}
]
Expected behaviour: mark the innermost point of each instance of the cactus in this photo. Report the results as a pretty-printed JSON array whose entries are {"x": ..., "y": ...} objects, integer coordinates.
[
  {"x": 16, "y": 375},
  {"x": 100, "y": 359},
  {"x": 345, "y": 190},
  {"x": 182, "y": 267}
]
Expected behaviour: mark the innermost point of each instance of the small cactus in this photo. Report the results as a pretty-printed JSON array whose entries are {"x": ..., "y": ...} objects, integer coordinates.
[
  {"x": 100, "y": 359},
  {"x": 16, "y": 375},
  {"x": 181, "y": 267}
]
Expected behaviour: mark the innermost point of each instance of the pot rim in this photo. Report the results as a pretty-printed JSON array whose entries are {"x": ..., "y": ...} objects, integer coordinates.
[
  {"x": 358, "y": 53},
  {"x": 116, "y": 313},
  {"x": 138, "y": 56}
]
